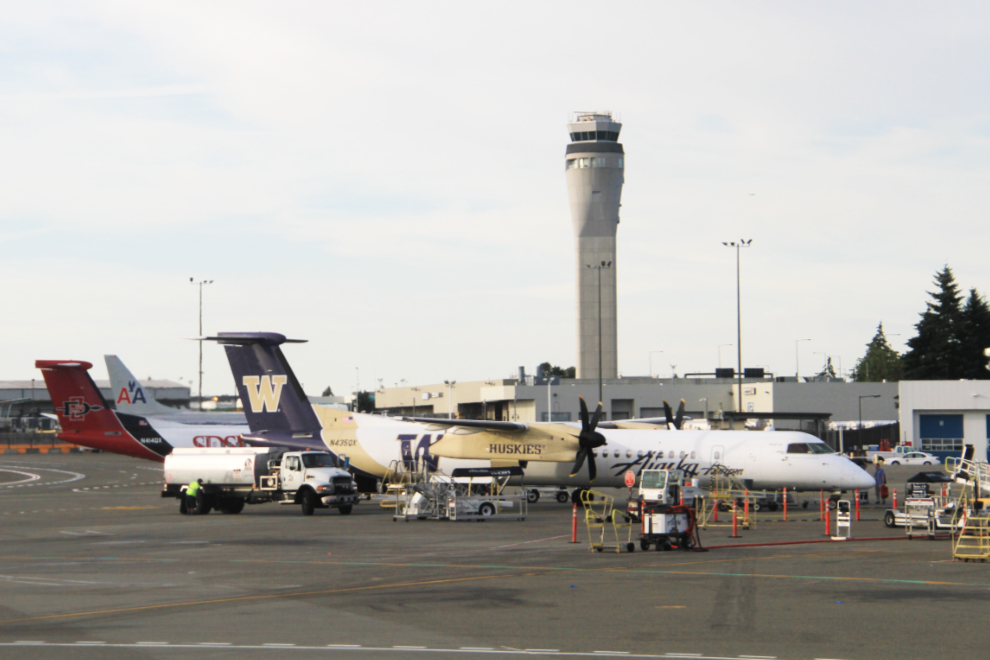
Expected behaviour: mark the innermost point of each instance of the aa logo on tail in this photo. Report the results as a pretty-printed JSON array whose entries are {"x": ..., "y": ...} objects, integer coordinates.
[
  {"x": 264, "y": 393},
  {"x": 125, "y": 395}
]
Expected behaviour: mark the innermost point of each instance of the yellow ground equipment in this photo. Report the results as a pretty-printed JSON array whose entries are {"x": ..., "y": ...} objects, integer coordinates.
[
  {"x": 972, "y": 514},
  {"x": 608, "y": 528}
]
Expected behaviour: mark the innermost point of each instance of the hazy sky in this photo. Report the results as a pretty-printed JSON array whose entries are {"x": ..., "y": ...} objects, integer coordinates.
[{"x": 387, "y": 180}]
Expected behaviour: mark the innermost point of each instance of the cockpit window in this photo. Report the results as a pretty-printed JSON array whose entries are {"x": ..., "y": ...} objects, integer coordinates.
[{"x": 809, "y": 448}]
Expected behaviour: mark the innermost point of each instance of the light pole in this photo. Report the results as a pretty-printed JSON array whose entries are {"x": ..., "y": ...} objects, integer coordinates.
[
  {"x": 824, "y": 362},
  {"x": 599, "y": 268},
  {"x": 414, "y": 389},
  {"x": 450, "y": 397},
  {"x": 797, "y": 359},
  {"x": 741, "y": 243},
  {"x": 651, "y": 361},
  {"x": 865, "y": 396},
  {"x": 549, "y": 400},
  {"x": 200, "y": 285},
  {"x": 705, "y": 400},
  {"x": 720, "y": 347}
]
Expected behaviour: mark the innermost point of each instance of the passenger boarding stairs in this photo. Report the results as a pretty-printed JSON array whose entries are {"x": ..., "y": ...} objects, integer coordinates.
[
  {"x": 975, "y": 474},
  {"x": 973, "y": 541}
]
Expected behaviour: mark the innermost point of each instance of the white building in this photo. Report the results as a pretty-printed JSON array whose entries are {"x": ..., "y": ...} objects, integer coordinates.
[{"x": 945, "y": 415}]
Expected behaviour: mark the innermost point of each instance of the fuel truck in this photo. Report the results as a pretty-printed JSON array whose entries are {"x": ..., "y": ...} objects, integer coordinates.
[{"x": 235, "y": 476}]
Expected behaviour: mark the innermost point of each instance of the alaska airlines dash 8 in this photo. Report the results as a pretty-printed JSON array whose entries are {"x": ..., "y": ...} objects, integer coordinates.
[{"x": 557, "y": 454}]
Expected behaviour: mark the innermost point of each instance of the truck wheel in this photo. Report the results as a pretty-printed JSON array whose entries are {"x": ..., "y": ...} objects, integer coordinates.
[
  {"x": 533, "y": 496},
  {"x": 231, "y": 506},
  {"x": 346, "y": 509},
  {"x": 486, "y": 509},
  {"x": 562, "y": 497},
  {"x": 308, "y": 502},
  {"x": 889, "y": 520},
  {"x": 202, "y": 506},
  {"x": 644, "y": 544}
]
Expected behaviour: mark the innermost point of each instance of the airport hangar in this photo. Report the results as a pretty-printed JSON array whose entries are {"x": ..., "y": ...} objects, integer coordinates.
[{"x": 23, "y": 397}]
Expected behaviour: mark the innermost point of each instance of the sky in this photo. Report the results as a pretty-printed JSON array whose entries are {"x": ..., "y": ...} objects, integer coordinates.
[{"x": 387, "y": 181}]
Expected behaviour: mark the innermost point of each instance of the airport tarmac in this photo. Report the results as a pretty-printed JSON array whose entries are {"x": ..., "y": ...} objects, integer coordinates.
[{"x": 94, "y": 564}]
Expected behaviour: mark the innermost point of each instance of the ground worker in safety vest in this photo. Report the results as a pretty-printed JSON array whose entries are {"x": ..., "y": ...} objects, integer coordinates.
[{"x": 191, "y": 492}]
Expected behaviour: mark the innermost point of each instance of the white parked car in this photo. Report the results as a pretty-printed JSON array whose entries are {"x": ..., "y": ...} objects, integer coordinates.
[{"x": 915, "y": 458}]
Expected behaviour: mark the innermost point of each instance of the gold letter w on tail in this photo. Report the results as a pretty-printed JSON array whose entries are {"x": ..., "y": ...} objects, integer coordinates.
[{"x": 266, "y": 394}]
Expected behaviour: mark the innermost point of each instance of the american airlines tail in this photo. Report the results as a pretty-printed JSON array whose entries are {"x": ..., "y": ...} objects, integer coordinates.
[
  {"x": 128, "y": 393},
  {"x": 275, "y": 405},
  {"x": 86, "y": 417}
]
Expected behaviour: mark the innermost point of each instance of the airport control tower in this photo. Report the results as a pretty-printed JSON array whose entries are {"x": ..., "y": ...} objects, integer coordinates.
[{"x": 594, "y": 184}]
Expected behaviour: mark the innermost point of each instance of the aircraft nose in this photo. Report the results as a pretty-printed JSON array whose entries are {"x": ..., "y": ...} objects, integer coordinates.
[{"x": 859, "y": 478}]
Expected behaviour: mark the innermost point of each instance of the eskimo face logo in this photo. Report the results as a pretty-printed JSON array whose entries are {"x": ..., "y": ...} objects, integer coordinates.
[
  {"x": 75, "y": 408},
  {"x": 264, "y": 393}
]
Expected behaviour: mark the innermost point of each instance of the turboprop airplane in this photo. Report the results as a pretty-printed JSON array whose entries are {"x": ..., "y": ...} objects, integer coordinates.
[
  {"x": 551, "y": 453},
  {"x": 87, "y": 419},
  {"x": 131, "y": 397}
]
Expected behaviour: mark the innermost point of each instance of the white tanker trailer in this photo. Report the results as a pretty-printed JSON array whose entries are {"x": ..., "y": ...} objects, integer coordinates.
[{"x": 235, "y": 476}]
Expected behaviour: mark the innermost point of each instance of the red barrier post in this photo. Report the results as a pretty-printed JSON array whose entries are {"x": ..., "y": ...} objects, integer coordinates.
[
  {"x": 828, "y": 522},
  {"x": 746, "y": 505},
  {"x": 857, "y": 504},
  {"x": 715, "y": 503},
  {"x": 574, "y": 525},
  {"x": 785, "y": 503},
  {"x": 895, "y": 498}
]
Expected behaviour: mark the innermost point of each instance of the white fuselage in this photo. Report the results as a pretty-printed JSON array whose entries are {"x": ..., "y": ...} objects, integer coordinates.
[{"x": 762, "y": 460}]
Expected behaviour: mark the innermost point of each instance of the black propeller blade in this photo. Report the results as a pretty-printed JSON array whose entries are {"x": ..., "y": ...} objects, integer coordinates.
[
  {"x": 679, "y": 419},
  {"x": 674, "y": 422},
  {"x": 588, "y": 441}
]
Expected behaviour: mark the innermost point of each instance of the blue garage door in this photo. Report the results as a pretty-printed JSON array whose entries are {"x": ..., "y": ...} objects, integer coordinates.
[{"x": 941, "y": 433}]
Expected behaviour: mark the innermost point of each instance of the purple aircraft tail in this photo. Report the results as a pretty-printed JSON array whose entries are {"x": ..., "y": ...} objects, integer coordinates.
[{"x": 275, "y": 405}]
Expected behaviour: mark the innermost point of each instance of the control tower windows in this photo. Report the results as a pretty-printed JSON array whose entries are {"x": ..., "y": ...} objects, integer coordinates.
[
  {"x": 586, "y": 136},
  {"x": 584, "y": 163}
]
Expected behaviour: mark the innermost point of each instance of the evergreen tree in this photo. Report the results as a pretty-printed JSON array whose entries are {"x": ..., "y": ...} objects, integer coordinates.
[
  {"x": 975, "y": 337},
  {"x": 880, "y": 363},
  {"x": 328, "y": 391},
  {"x": 553, "y": 370},
  {"x": 935, "y": 353}
]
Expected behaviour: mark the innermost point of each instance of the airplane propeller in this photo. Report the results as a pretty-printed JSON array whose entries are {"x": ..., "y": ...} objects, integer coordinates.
[
  {"x": 672, "y": 421},
  {"x": 588, "y": 440}
]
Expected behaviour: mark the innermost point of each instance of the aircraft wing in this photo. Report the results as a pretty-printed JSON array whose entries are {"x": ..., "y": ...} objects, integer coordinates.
[{"x": 480, "y": 424}]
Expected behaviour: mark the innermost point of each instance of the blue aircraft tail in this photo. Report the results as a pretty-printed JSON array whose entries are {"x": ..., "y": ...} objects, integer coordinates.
[{"x": 275, "y": 405}]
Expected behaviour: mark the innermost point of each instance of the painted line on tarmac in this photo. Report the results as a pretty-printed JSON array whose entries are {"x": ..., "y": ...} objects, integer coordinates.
[
  {"x": 30, "y": 477},
  {"x": 357, "y": 648},
  {"x": 10, "y": 467}
]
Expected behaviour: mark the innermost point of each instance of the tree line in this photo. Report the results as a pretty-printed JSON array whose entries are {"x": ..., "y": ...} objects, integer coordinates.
[{"x": 950, "y": 343}]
